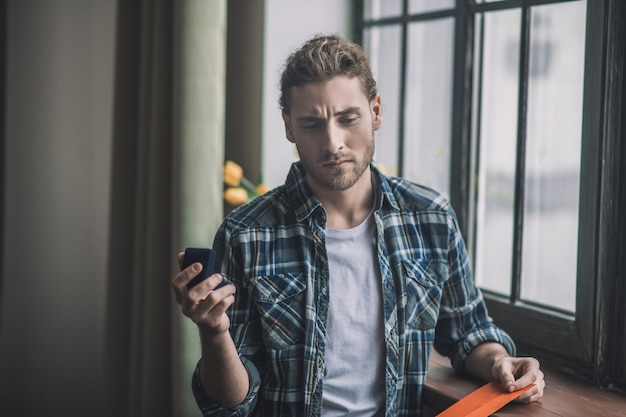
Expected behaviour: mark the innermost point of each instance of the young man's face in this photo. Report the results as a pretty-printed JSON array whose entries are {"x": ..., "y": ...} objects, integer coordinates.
[{"x": 332, "y": 124}]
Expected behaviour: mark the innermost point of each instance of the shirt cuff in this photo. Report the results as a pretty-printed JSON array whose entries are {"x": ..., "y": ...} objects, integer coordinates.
[
  {"x": 210, "y": 407},
  {"x": 491, "y": 333}
]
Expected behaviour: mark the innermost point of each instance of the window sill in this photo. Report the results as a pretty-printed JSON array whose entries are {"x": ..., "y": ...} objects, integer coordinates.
[{"x": 564, "y": 395}]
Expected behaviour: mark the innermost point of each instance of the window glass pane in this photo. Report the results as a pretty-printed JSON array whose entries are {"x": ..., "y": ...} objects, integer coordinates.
[
  {"x": 383, "y": 48},
  {"x": 420, "y": 6},
  {"x": 427, "y": 117},
  {"x": 497, "y": 150},
  {"x": 376, "y": 9},
  {"x": 553, "y": 149}
]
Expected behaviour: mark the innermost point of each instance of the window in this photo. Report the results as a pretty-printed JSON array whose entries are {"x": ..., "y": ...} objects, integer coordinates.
[{"x": 513, "y": 109}]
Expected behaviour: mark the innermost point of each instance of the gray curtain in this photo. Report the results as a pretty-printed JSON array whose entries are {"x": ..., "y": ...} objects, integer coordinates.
[{"x": 166, "y": 194}]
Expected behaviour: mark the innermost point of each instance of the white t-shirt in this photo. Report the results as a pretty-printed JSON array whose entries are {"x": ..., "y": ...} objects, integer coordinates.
[{"x": 354, "y": 379}]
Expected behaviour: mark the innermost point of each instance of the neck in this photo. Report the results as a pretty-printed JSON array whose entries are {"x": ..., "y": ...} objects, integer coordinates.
[{"x": 349, "y": 208}]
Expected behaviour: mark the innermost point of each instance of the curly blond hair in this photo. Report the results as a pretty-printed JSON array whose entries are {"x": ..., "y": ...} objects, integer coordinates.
[{"x": 321, "y": 59}]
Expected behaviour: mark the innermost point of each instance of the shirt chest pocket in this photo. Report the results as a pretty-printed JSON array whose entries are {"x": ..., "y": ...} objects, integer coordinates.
[
  {"x": 424, "y": 283},
  {"x": 280, "y": 300}
]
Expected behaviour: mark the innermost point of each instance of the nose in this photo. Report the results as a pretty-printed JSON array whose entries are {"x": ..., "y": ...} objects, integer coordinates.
[{"x": 334, "y": 138}]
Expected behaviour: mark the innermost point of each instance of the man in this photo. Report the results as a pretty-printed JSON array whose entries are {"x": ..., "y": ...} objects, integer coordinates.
[{"x": 343, "y": 279}]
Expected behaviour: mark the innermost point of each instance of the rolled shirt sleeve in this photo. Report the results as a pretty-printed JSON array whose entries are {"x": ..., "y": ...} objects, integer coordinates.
[
  {"x": 464, "y": 322},
  {"x": 210, "y": 407}
]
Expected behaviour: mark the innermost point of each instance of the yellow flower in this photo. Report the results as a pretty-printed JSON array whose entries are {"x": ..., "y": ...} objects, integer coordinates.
[
  {"x": 240, "y": 189},
  {"x": 262, "y": 189},
  {"x": 232, "y": 174},
  {"x": 235, "y": 196}
]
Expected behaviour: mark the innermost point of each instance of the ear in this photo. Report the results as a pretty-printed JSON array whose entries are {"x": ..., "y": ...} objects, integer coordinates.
[
  {"x": 288, "y": 130},
  {"x": 376, "y": 107}
]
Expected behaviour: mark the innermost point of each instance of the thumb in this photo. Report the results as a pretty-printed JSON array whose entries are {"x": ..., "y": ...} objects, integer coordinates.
[{"x": 507, "y": 379}]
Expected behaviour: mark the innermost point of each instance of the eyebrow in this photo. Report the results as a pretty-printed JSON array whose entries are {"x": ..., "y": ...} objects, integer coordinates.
[{"x": 349, "y": 110}]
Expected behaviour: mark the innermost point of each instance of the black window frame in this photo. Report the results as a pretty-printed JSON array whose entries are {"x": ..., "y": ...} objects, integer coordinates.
[
  {"x": 591, "y": 343},
  {"x": 3, "y": 53}
]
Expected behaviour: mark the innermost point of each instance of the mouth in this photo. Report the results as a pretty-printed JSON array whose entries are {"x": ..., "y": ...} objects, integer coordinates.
[{"x": 335, "y": 163}]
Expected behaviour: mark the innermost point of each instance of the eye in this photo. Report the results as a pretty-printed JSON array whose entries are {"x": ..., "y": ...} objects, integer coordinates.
[
  {"x": 347, "y": 121},
  {"x": 312, "y": 126}
]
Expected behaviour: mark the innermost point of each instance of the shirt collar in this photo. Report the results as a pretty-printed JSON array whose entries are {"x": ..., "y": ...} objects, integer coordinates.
[{"x": 305, "y": 203}]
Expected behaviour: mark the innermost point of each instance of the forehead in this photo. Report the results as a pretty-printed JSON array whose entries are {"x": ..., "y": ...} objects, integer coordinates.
[{"x": 321, "y": 96}]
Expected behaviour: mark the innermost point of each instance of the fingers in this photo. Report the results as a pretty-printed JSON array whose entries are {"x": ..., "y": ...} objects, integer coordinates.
[
  {"x": 203, "y": 304},
  {"x": 179, "y": 258},
  {"x": 533, "y": 394},
  {"x": 518, "y": 373},
  {"x": 180, "y": 281},
  {"x": 209, "y": 312}
]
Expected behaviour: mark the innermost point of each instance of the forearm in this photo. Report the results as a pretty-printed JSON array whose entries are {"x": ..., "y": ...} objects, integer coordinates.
[
  {"x": 223, "y": 375},
  {"x": 482, "y": 358}
]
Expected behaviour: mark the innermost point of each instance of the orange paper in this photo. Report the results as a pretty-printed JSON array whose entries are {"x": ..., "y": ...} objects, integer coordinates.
[{"x": 483, "y": 402}]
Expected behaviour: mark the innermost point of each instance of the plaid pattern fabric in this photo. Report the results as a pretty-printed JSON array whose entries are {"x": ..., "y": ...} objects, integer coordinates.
[{"x": 273, "y": 250}]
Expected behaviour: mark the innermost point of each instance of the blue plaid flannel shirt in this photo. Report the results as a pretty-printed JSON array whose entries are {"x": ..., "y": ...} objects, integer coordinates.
[{"x": 273, "y": 250}]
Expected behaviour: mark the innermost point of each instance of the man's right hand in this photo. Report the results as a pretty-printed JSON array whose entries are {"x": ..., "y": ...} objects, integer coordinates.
[{"x": 203, "y": 304}]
